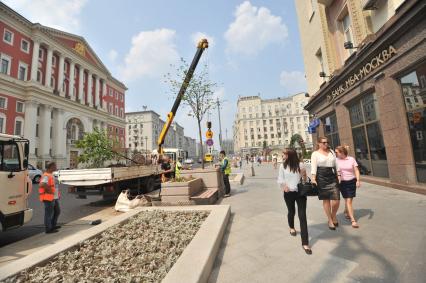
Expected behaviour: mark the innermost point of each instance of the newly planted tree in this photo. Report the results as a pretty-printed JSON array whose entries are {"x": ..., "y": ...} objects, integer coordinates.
[
  {"x": 199, "y": 95},
  {"x": 97, "y": 148}
]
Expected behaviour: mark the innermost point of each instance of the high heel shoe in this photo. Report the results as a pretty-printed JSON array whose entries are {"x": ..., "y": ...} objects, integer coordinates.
[
  {"x": 331, "y": 227},
  {"x": 308, "y": 251}
]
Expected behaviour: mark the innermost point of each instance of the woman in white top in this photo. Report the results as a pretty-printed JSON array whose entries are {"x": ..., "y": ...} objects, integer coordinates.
[
  {"x": 289, "y": 175},
  {"x": 324, "y": 175}
]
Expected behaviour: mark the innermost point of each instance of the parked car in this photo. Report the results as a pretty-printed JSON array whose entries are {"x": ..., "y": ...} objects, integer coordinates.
[
  {"x": 34, "y": 174},
  {"x": 189, "y": 161}
]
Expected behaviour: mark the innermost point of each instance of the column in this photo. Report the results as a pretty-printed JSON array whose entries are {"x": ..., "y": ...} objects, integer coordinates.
[
  {"x": 71, "y": 82},
  {"x": 34, "y": 61},
  {"x": 59, "y": 134},
  {"x": 104, "y": 93},
  {"x": 61, "y": 75},
  {"x": 89, "y": 89},
  {"x": 48, "y": 67},
  {"x": 44, "y": 130},
  {"x": 81, "y": 85},
  {"x": 29, "y": 125},
  {"x": 97, "y": 92}
]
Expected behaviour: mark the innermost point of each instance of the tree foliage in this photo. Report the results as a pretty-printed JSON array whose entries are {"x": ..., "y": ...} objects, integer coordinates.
[
  {"x": 296, "y": 138},
  {"x": 199, "y": 96},
  {"x": 97, "y": 148}
]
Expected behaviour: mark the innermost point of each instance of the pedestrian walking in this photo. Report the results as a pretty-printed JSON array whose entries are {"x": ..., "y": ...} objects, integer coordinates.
[
  {"x": 290, "y": 173},
  {"x": 349, "y": 181},
  {"x": 49, "y": 194},
  {"x": 325, "y": 176},
  {"x": 225, "y": 167}
]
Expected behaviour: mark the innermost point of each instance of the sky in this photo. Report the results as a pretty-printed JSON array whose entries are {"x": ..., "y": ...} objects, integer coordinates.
[{"x": 254, "y": 47}]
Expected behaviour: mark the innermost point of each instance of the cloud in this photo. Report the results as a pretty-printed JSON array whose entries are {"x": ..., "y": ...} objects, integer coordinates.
[
  {"x": 59, "y": 14},
  {"x": 195, "y": 37},
  {"x": 293, "y": 81},
  {"x": 112, "y": 55},
  {"x": 150, "y": 55},
  {"x": 253, "y": 29}
]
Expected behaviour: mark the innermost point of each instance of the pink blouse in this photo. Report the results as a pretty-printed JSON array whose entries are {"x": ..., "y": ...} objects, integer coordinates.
[{"x": 346, "y": 168}]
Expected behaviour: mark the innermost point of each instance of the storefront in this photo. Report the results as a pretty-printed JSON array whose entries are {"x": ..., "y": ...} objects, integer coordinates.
[{"x": 376, "y": 103}]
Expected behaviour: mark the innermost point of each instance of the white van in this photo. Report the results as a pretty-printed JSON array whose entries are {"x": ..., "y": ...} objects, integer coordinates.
[{"x": 15, "y": 184}]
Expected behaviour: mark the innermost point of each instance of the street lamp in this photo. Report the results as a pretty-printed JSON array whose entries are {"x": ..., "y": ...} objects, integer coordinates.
[{"x": 349, "y": 45}]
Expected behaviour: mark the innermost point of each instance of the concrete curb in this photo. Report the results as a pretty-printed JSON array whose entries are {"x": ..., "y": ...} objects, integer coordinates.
[
  {"x": 196, "y": 262},
  {"x": 41, "y": 256},
  {"x": 207, "y": 244}
]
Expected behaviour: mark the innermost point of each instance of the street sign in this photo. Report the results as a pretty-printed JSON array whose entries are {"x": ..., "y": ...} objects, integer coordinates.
[
  {"x": 209, "y": 134},
  {"x": 209, "y": 142}
]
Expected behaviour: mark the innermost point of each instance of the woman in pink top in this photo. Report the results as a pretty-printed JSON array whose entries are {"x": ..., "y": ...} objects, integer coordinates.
[{"x": 349, "y": 180}]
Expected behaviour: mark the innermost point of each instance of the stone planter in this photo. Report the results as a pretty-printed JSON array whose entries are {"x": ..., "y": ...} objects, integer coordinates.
[
  {"x": 180, "y": 192},
  {"x": 212, "y": 178}
]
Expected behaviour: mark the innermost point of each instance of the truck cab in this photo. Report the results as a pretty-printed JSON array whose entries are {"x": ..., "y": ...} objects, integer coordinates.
[{"x": 15, "y": 184}]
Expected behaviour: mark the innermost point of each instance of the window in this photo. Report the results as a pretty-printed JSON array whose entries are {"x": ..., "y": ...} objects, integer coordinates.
[
  {"x": 51, "y": 132},
  {"x": 53, "y": 61},
  {"x": 347, "y": 30},
  {"x": 36, "y": 131},
  {"x": 367, "y": 135},
  {"x": 39, "y": 75},
  {"x": 413, "y": 88},
  {"x": 25, "y": 46},
  {"x": 38, "y": 111},
  {"x": 40, "y": 54},
  {"x": 116, "y": 111},
  {"x": 110, "y": 92},
  {"x": 3, "y": 102},
  {"x": 8, "y": 36},
  {"x": 18, "y": 127},
  {"x": 9, "y": 157},
  {"x": 121, "y": 113},
  {"x": 19, "y": 107},
  {"x": 2, "y": 123},
  {"x": 5, "y": 64},
  {"x": 52, "y": 81},
  {"x": 331, "y": 130},
  {"x": 22, "y": 73}
]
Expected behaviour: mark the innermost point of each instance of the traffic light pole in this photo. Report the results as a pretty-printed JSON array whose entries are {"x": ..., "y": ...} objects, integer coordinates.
[{"x": 220, "y": 125}]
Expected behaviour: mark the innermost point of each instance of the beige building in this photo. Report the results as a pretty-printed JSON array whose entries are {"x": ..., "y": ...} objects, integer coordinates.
[
  {"x": 143, "y": 129},
  {"x": 325, "y": 25},
  {"x": 270, "y": 122},
  {"x": 375, "y": 100}
]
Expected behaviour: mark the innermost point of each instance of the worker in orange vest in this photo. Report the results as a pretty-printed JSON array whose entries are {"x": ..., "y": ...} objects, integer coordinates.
[{"x": 49, "y": 195}]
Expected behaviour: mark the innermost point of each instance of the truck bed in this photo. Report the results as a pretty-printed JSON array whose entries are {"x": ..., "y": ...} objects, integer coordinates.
[{"x": 99, "y": 176}]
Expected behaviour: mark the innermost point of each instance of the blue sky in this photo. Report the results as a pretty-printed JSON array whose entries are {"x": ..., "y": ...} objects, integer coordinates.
[{"x": 255, "y": 46}]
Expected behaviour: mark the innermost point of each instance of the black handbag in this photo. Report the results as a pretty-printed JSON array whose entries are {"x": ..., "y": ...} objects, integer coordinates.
[{"x": 307, "y": 189}]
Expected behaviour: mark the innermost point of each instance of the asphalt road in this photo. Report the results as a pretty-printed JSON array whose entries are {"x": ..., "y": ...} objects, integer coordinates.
[{"x": 71, "y": 209}]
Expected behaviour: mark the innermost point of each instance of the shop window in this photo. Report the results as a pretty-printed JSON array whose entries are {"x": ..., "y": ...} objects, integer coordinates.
[
  {"x": 414, "y": 91},
  {"x": 370, "y": 150},
  {"x": 331, "y": 130}
]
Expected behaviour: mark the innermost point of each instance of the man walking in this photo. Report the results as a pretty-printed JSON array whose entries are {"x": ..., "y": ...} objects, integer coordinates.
[
  {"x": 49, "y": 195},
  {"x": 225, "y": 167}
]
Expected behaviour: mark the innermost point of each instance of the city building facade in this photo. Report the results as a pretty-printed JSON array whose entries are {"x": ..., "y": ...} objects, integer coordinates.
[
  {"x": 53, "y": 89},
  {"x": 144, "y": 127},
  {"x": 374, "y": 101},
  {"x": 261, "y": 123}
]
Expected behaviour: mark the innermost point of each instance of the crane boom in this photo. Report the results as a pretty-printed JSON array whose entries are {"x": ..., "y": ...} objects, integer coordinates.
[{"x": 203, "y": 44}]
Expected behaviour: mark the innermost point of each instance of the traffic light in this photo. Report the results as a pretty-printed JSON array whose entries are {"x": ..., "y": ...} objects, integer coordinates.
[{"x": 209, "y": 125}]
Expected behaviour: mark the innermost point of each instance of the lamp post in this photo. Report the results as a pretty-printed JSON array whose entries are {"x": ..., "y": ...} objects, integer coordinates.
[{"x": 146, "y": 150}]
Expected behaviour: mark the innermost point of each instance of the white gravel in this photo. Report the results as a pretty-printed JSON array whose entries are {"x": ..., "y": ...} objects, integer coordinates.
[{"x": 142, "y": 250}]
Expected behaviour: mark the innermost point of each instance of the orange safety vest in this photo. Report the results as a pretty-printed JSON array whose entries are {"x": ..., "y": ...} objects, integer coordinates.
[{"x": 45, "y": 196}]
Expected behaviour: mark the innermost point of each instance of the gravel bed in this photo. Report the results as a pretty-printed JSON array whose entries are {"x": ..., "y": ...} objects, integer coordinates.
[{"x": 142, "y": 250}]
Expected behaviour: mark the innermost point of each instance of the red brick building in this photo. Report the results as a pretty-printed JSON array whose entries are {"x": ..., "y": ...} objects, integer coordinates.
[{"x": 53, "y": 88}]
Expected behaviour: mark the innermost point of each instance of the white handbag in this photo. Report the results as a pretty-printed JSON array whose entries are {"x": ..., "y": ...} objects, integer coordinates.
[{"x": 124, "y": 204}]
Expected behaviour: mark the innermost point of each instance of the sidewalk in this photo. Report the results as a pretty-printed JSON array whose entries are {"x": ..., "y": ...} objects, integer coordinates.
[{"x": 389, "y": 246}]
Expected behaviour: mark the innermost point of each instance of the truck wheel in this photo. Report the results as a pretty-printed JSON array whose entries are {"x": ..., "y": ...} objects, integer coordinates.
[{"x": 36, "y": 179}]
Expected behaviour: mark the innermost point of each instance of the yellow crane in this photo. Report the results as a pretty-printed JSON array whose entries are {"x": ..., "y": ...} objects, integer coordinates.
[{"x": 202, "y": 45}]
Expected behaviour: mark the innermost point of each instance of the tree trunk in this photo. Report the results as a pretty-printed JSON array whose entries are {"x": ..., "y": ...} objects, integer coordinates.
[{"x": 201, "y": 143}]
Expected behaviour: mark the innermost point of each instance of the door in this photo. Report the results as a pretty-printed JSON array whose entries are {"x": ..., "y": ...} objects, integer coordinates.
[
  {"x": 73, "y": 159},
  {"x": 12, "y": 179}
]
